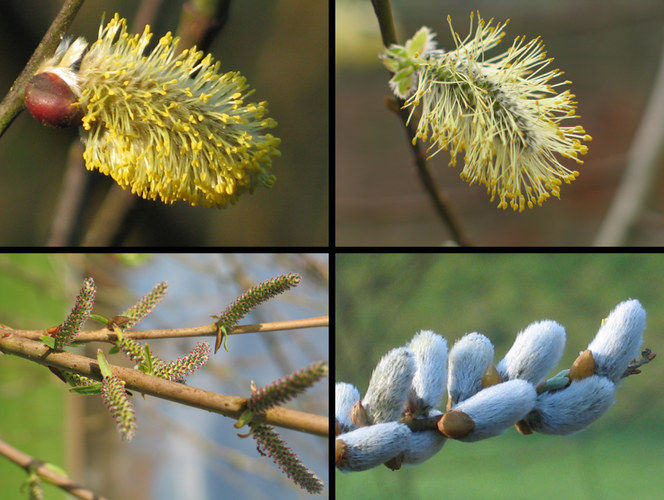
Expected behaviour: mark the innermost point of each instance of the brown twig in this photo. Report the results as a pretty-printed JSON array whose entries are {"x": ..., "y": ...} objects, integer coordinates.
[
  {"x": 441, "y": 204},
  {"x": 27, "y": 462},
  {"x": 633, "y": 369},
  {"x": 230, "y": 406},
  {"x": 104, "y": 335}
]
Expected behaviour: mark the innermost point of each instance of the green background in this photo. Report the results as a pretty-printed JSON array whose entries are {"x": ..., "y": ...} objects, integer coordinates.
[{"x": 382, "y": 300}]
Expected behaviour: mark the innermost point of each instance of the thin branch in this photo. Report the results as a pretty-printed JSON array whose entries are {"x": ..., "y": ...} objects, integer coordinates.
[
  {"x": 105, "y": 335},
  {"x": 230, "y": 406},
  {"x": 27, "y": 462},
  {"x": 440, "y": 202},
  {"x": 13, "y": 103}
]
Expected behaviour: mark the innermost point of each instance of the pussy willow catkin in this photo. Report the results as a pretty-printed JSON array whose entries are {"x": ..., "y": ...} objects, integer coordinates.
[
  {"x": 502, "y": 111},
  {"x": 168, "y": 125}
]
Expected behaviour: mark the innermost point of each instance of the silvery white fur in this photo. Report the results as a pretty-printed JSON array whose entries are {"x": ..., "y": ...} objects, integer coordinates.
[
  {"x": 535, "y": 352},
  {"x": 389, "y": 386},
  {"x": 469, "y": 358}
]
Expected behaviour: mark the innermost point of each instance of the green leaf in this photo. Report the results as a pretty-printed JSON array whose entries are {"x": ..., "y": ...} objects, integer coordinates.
[
  {"x": 244, "y": 419},
  {"x": 56, "y": 469},
  {"x": 148, "y": 358},
  {"x": 49, "y": 341},
  {"x": 114, "y": 350},
  {"x": 99, "y": 319},
  {"x": 118, "y": 332},
  {"x": 103, "y": 364},
  {"x": 87, "y": 390},
  {"x": 415, "y": 46}
]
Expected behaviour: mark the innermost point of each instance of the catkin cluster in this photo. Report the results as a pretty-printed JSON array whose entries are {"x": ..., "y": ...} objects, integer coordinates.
[{"x": 398, "y": 420}]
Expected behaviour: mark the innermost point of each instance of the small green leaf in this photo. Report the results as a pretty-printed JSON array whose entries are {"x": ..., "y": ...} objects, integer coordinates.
[
  {"x": 49, "y": 341},
  {"x": 99, "y": 319},
  {"x": 118, "y": 332},
  {"x": 103, "y": 364},
  {"x": 415, "y": 46},
  {"x": 148, "y": 358},
  {"x": 56, "y": 469},
  {"x": 87, "y": 390},
  {"x": 244, "y": 419},
  {"x": 114, "y": 350}
]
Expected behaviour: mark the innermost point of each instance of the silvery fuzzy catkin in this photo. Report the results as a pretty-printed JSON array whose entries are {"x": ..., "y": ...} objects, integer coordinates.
[
  {"x": 345, "y": 396},
  {"x": 468, "y": 360},
  {"x": 498, "y": 407},
  {"x": 573, "y": 408},
  {"x": 430, "y": 368},
  {"x": 619, "y": 339},
  {"x": 535, "y": 352},
  {"x": 368, "y": 447},
  {"x": 389, "y": 386}
]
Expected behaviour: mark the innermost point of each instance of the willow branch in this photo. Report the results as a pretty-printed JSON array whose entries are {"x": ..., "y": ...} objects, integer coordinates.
[
  {"x": 229, "y": 406},
  {"x": 441, "y": 204},
  {"x": 41, "y": 468},
  {"x": 105, "y": 335}
]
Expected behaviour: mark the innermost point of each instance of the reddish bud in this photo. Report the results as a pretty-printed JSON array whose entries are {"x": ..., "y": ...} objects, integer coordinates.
[{"x": 51, "y": 101}]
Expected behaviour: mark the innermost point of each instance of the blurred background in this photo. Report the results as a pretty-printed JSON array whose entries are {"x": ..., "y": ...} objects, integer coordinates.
[
  {"x": 383, "y": 300},
  {"x": 609, "y": 50},
  {"x": 282, "y": 50},
  {"x": 178, "y": 451}
]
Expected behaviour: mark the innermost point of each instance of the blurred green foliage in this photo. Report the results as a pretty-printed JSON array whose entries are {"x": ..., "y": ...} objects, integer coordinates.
[
  {"x": 31, "y": 412},
  {"x": 382, "y": 300}
]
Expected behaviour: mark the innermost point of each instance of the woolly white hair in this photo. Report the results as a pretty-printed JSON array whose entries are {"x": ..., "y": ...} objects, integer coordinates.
[
  {"x": 389, "y": 386},
  {"x": 498, "y": 407},
  {"x": 430, "y": 367},
  {"x": 535, "y": 352},
  {"x": 469, "y": 358},
  {"x": 619, "y": 339},
  {"x": 345, "y": 396},
  {"x": 421, "y": 446},
  {"x": 368, "y": 447},
  {"x": 573, "y": 408}
]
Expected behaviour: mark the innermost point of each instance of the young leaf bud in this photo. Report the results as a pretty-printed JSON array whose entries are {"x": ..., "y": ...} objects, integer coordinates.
[
  {"x": 491, "y": 377},
  {"x": 368, "y": 447},
  {"x": 469, "y": 358},
  {"x": 430, "y": 368},
  {"x": 51, "y": 101},
  {"x": 498, "y": 407},
  {"x": 573, "y": 408},
  {"x": 535, "y": 352},
  {"x": 389, "y": 386},
  {"x": 455, "y": 424},
  {"x": 358, "y": 415},
  {"x": 345, "y": 396},
  {"x": 618, "y": 340},
  {"x": 583, "y": 366}
]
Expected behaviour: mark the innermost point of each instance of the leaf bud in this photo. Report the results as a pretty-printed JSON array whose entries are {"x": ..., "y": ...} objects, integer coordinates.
[
  {"x": 583, "y": 366},
  {"x": 51, "y": 101}
]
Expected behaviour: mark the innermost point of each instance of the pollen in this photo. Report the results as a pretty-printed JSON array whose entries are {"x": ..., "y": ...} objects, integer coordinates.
[
  {"x": 502, "y": 111},
  {"x": 165, "y": 134}
]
